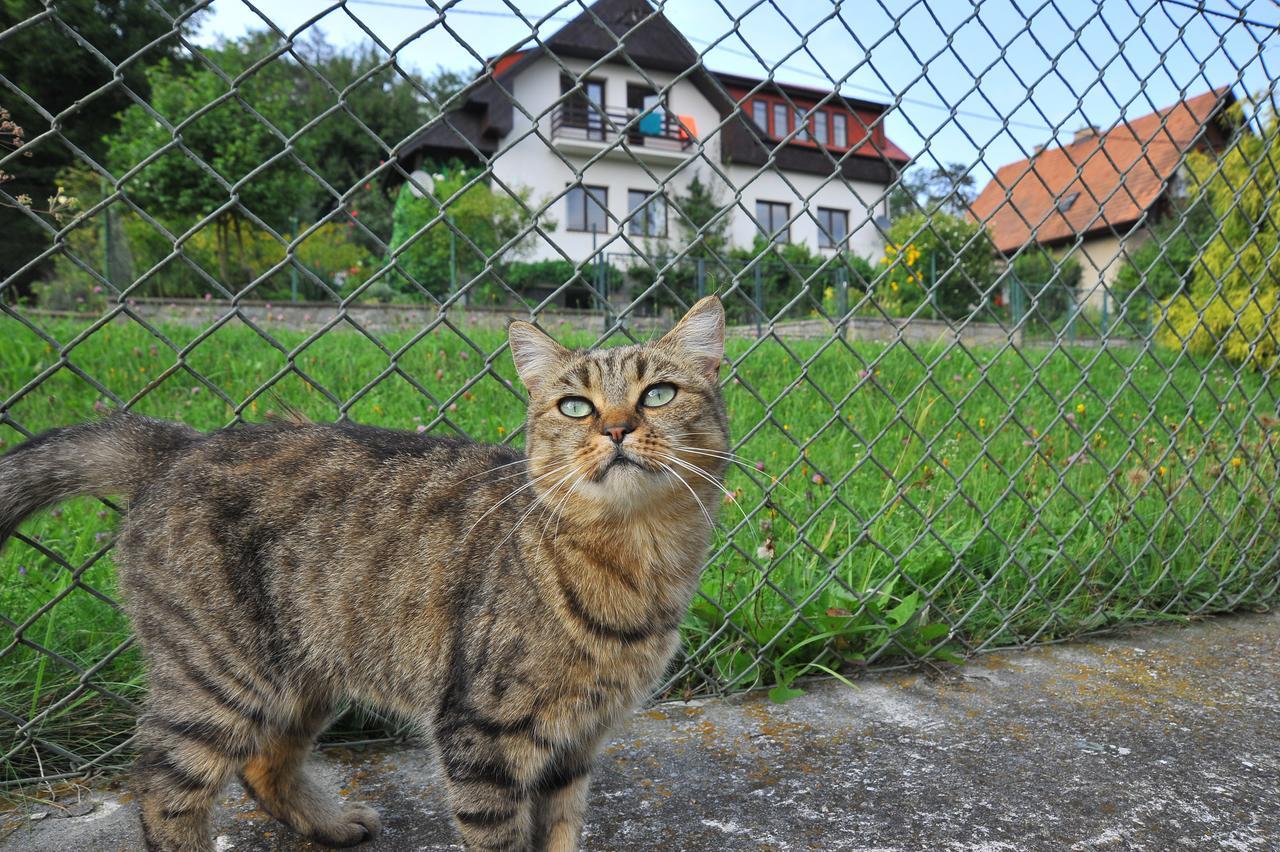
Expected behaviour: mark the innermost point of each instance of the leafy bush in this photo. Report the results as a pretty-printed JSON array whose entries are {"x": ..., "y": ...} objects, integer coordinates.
[
  {"x": 1231, "y": 306},
  {"x": 1161, "y": 267},
  {"x": 955, "y": 251},
  {"x": 550, "y": 274},
  {"x": 480, "y": 222}
]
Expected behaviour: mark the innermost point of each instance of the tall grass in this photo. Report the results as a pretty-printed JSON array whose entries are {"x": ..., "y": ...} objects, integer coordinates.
[{"x": 891, "y": 504}]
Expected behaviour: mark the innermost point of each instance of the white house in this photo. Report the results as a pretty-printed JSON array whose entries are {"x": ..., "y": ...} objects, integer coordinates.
[{"x": 614, "y": 115}]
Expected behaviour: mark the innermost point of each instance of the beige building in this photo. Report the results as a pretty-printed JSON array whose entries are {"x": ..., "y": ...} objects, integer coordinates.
[{"x": 1095, "y": 197}]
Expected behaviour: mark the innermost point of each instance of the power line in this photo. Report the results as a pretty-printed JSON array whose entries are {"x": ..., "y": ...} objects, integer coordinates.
[{"x": 485, "y": 13}]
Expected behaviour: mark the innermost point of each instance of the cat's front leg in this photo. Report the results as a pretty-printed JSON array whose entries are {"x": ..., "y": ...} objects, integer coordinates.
[
  {"x": 510, "y": 789},
  {"x": 560, "y": 802},
  {"x": 489, "y": 775}
]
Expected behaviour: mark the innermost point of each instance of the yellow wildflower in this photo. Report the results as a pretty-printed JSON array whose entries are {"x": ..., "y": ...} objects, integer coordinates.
[{"x": 1237, "y": 461}]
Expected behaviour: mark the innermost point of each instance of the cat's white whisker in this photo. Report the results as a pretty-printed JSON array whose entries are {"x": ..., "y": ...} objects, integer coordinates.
[
  {"x": 777, "y": 481},
  {"x": 555, "y": 537},
  {"x": 556, "y": 509},
  {"x": 702, "y": 473},
  {"x": 529, "y": 484},
  {"x": 703, "y": 506},
  {"x": 492, "y": 469},
  {"x": 537, "y": 501}
]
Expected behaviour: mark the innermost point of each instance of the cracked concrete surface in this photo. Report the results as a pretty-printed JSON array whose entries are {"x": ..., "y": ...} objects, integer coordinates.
[{"x": 1159, "y": 739}]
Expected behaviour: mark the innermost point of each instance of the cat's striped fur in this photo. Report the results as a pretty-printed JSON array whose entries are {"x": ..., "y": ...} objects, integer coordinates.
[{"x": 516, "y": 608}]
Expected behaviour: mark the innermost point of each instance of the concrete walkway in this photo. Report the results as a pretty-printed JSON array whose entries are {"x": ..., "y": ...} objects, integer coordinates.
[{"x": 1161, "y": 739}]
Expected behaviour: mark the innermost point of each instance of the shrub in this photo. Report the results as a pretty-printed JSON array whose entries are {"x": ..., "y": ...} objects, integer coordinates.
[
  {"x": 1161, "y": 267},
  {"x": 480, "y": 222},
  {"x": 550, "y": 274},
  {"x": 944, "y": 259},
  {"x": 1230, "y": 306}
]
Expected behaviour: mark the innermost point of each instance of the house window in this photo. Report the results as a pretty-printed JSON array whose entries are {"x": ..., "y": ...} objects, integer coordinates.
[
  {"x": 802, "y": 127},
  {"x": 820, "y": 127},
  {"x": 780, "y": 127},
  {"x": 1065, "y": 202},
  {"x": 833, "y": 227},
  {"x": 760, "y": 114},
  {"x": 839, "y": 130},
  {"x": 648, "y": 215},
  {"x": 774, "y": 218},
  {"x": 586, "y": 208}
]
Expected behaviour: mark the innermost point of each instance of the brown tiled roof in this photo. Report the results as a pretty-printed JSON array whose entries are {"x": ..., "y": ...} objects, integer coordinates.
[{"x": 1119, "y": 174}]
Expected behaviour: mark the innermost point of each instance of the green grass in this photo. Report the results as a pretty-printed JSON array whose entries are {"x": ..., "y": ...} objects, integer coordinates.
[{"x": 941, "y": 507}]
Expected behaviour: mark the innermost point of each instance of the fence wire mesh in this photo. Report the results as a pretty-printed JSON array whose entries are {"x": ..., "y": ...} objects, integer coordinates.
[{"x": 963, "y": 420}]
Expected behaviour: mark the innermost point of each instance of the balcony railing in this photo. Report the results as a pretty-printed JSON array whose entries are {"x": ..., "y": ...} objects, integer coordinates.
[{"x": 656, "y": 129}]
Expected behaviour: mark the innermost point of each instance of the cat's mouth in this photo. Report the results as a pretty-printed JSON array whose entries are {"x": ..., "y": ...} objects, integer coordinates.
[{"x": 620, "y": 461}]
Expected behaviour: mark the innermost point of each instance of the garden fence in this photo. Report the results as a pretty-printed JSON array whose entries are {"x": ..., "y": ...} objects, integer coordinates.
[{"x": 1106, "y": 454}]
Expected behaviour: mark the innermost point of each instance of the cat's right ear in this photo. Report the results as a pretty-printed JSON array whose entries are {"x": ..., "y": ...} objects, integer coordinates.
[{"x": 535, "y": 354}]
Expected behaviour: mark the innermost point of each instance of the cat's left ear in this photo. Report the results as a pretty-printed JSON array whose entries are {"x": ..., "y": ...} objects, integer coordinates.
[
  {"x": 535, "y": 354},
  {"x": 700, "y": 334}
]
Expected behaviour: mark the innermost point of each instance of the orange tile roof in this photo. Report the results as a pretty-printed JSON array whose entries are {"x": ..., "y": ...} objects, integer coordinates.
[
  {"x": 502, "y": 63},
  {"x": 1119, "y": 174}
]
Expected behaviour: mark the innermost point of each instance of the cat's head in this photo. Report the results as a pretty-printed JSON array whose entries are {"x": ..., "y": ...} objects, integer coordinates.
[{"x": 631, "y": 425}]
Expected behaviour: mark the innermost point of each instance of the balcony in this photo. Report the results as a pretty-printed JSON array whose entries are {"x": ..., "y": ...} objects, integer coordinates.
[{"x": 655, "y": 137}]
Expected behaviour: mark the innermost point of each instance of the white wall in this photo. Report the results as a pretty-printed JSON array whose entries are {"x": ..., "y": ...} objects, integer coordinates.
[
  {"x": 532, "y": 162},
  {"x": 806, "y": 192}
]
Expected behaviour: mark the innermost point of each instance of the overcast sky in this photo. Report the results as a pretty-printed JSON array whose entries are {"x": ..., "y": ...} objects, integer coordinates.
[{"x": 968, "y": 85}]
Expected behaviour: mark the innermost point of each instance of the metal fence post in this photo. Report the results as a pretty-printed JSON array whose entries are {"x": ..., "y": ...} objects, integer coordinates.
[
  {"x": 759, "y": 300},
  {"x": 842, "y": 296},
  {"x": 293, "y": 261}
]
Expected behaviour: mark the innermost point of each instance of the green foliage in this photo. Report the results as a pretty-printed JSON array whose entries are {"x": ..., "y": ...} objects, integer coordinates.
[
  {"x": 950, "y": 188},
  {"x": 1162, "y": 266},
  {"x": 480, "y": 222},
  {"x": 1233, "y": 303},
  {"x": 53, "y": 70},
  {"x": 1048, "y": 283},
  {"x": 540, "y": 276},
  {"x": 783, "y": 269},
  {"x": 696, "y": 211},
  {"x": 955, "y": 251},
  {"x": 243, "y": 138}
]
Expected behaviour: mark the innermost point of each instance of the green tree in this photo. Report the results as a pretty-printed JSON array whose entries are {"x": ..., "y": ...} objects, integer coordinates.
[
  {"x": 56, "y": 73},
  {"x": 429, "y": 253},
  {"x": 263, "y": 139},
  {"x": 945, "y": 260},
  {"x": 1232, "y": 305},
  {"x": 949, "y": 187},
  {"x": 1161, "y": 267}
]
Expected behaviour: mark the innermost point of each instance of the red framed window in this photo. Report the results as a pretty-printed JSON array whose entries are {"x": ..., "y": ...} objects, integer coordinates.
[{"x": 828, "y": 127}]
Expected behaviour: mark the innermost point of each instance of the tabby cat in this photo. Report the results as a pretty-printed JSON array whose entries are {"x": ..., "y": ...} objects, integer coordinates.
[{"x": 516, "y": 607}]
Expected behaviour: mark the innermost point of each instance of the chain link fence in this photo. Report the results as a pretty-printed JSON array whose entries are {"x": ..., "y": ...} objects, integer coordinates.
[{"x": 963, "y": 419}]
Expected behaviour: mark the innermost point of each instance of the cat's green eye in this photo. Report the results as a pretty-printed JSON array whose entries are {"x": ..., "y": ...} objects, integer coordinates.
[
  {"x": 575, "y": 406},
  {"x": 657, "y": 395}
]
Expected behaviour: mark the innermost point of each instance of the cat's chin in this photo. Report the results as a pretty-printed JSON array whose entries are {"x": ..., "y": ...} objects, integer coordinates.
[{"x": 625, "y": 486}]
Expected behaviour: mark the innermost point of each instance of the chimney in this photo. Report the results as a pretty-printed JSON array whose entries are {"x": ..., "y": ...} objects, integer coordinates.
[
  {"x": 1086, "y": 132},
  {"x": 1035, "y": 152}
]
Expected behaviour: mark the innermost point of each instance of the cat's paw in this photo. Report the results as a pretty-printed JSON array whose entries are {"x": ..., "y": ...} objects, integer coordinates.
[{"x": 351, "y": 826}]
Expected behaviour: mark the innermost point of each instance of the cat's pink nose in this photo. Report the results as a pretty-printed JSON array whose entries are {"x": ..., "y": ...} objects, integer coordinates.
[{"x": 617, "y": 431}]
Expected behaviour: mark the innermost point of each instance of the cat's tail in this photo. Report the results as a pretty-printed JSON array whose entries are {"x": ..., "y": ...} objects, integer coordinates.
[{"x": 113, "y": 456}]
